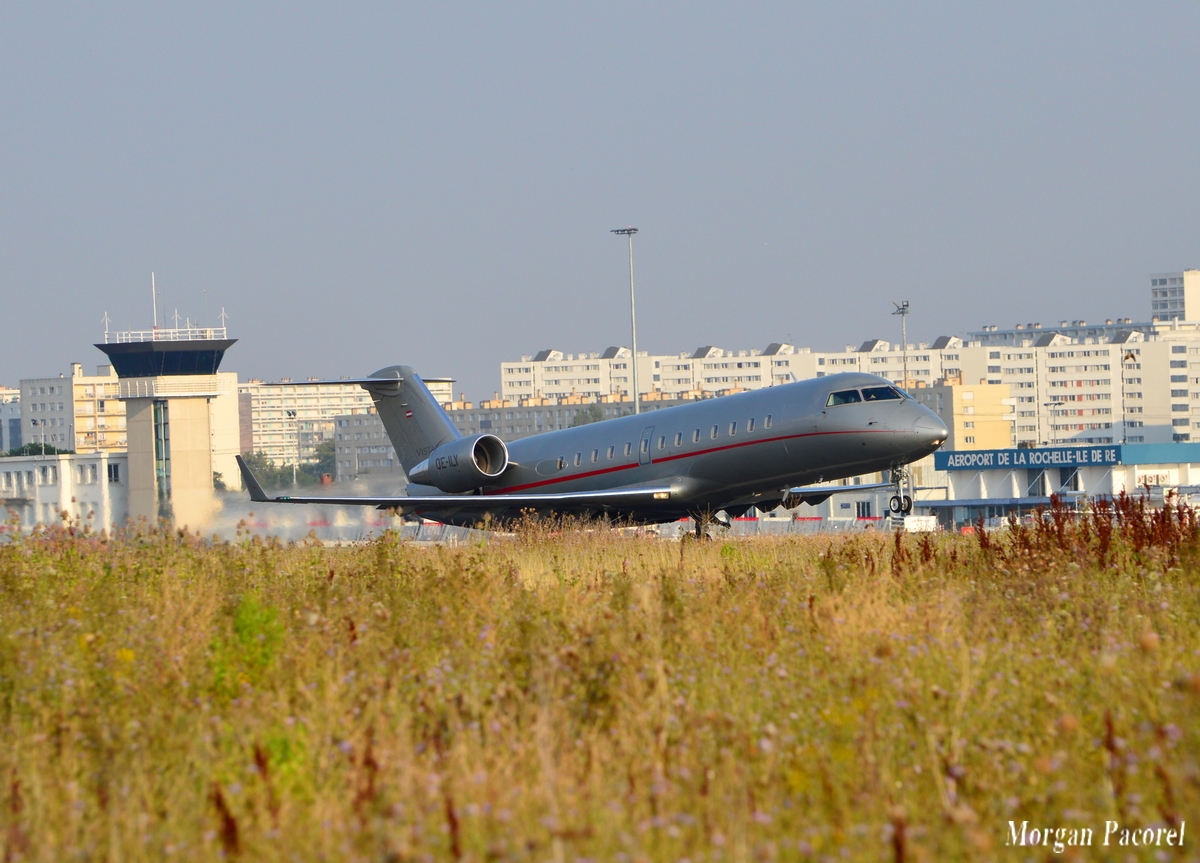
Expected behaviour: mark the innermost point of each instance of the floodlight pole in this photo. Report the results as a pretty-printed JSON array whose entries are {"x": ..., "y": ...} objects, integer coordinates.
[
  {"x": 902, "y": 311},
  {"x": 1129, "y": 357},
  {"x": 629, "y": 232}
]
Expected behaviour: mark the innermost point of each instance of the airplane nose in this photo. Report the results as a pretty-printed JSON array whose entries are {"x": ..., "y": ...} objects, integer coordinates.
[{"x": 931, "y": 429}]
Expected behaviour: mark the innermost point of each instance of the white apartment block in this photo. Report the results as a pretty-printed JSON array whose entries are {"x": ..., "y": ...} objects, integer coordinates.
[
  {"x": 554, "y": 375},
  {"x": 710, "y": 370},
  {"x": 1175, "y": 296},
  {"x": 1123, "y": 384},
  {"x": 81, "y": 412},
  {"x": 287, "y": 420}
]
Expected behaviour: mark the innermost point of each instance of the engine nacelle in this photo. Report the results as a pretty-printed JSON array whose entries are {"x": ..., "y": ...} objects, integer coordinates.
[{"x": 463, "y": 465}]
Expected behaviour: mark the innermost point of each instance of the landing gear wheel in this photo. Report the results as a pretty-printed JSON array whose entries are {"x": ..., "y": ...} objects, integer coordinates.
[
  {"x": 907, "y": 505},
  {"x": 896, "y": 505}
]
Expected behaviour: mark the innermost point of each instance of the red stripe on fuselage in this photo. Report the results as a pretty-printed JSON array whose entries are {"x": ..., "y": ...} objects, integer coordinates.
[
  {"x": 516, "y": 488},
  {"x": 708, "y": 451}
]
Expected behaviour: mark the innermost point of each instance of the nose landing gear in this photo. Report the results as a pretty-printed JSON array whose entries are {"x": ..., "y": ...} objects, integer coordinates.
[{"x": 900, "y": 503}]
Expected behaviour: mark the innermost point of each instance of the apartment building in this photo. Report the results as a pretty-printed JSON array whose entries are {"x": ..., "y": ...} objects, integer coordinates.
[
  {"x": 1175, "y": 296},
  {"x": 363, "y": 447},
  {"x": 710, "y": 370},
  {"x": 555, "y": 375},
  {"x": 287, "y": 419},
  {"x": 77, "y": 412},
  {"x": 979, "y": 416},
  {"x": 10, "y": 419}
]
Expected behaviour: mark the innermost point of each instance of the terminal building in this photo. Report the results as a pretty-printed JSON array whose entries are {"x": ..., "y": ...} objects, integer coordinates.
[{"x": 996, "y": 483}]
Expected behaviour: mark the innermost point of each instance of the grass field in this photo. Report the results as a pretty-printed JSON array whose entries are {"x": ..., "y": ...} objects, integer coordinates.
[{"x": 587, "y": 695}]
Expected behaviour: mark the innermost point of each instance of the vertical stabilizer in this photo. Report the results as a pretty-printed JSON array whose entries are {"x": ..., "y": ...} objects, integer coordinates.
[{"x": 415, "y": 422}]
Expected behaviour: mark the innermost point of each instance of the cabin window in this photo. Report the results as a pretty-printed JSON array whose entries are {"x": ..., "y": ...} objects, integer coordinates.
[
  {"x": 733, "y": 428},
  {"x": 578, "y": 459},
  {"x": 612, "y": 451},
  {"x": 844, "y": 397},
  {"x": 662, "y": 441},
  {"x": 595, "y": 456},
  {"x": 628, "y": 448},
  {"x": 713, "y": 433},
  {"x": 696, "y": 436},
  {"x": 678, "y": 438},
  {"x": 750, "y": 425},
  {"x": 767, "y": 421},
  {"x": 879, "y": 394},
  {"x": 646, "y": 445}
]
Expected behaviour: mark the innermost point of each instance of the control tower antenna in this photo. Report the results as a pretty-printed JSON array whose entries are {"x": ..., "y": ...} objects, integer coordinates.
[{"x": 154, "y": 300}]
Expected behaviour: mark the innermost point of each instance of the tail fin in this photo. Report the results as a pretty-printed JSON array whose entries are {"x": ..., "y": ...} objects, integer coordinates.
[{"x": 415, "y": 422}]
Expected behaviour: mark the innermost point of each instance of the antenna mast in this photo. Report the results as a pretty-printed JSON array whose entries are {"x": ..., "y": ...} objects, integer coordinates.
[{"x": 154, "y": 300}]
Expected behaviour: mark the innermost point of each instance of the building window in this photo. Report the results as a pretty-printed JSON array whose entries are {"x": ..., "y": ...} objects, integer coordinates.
[{"x": 862, "y": 509}]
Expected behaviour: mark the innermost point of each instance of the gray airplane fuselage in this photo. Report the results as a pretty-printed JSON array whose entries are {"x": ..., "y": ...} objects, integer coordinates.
[{"x": 722, "y": 454}]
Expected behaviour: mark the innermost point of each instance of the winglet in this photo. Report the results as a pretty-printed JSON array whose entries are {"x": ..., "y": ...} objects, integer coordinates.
[{"x": 256, "y": 491}]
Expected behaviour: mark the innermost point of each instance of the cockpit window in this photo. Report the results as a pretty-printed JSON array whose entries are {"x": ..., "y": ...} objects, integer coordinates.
[
  {"x": 879, "y": 394},
  {"x": 845, "y": 397}
]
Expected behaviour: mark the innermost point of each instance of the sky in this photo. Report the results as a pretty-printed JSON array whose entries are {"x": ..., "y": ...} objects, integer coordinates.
[{"x": 433, "y": 185}]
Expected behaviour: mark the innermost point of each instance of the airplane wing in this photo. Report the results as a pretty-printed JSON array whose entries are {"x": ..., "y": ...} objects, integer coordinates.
[
  {"x": 815, "y": 494},
  {"x": 579, "y": 500}
]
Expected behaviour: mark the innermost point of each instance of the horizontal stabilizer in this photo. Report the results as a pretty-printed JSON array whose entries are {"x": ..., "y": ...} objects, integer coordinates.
[{"x": 251, "y": 482}]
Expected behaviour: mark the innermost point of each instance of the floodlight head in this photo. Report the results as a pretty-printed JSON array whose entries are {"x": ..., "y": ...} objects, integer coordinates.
[
  {"x": 901, "y": 308},
  {"x": 625, "y": 232}
]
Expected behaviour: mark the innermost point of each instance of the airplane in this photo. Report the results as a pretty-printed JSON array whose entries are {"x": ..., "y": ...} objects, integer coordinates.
[{"x": 716, "y": 457}]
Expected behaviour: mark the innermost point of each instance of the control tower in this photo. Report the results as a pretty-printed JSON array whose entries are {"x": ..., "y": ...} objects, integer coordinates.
[{"x": 181, "y": 420}]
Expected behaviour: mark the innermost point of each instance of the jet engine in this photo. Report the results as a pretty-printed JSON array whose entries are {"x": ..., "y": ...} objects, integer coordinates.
[{"x": 463, "y": 465}]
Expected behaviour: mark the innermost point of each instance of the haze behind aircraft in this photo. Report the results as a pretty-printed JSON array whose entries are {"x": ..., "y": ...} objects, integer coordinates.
[{"x": 761, "y": 448}]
